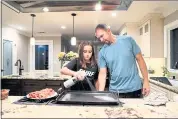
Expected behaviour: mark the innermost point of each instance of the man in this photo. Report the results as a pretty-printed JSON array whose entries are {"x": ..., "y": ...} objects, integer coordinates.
[{"x": 119, "y": 56}]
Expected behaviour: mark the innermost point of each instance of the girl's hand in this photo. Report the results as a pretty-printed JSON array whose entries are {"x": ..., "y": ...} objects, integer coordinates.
[{"x": 80, "y": 75}]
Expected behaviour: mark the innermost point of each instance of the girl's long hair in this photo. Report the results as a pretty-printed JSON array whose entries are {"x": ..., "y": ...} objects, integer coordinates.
[{"x": 81, "y": 57}]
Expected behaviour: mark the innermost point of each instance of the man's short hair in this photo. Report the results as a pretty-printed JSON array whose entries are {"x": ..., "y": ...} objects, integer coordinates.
[{"x": 102, "y": 26}]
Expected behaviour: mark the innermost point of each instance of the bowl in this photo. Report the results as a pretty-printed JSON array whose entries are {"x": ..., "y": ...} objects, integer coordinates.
[{"x": 4, "y": 93}]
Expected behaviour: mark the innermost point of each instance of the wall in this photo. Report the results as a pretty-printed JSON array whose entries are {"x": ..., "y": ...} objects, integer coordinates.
[
  {"x": 0, "y": 43},
  {"x": 56, "y": 50},
  {"x": 132, "y": 29},
  {"x": 157, "y": 38},
  {"x": 20, "y": 47},
  {"x": 156, "y": 64},
  {"x": 22, "y": 50},
  {"x": 170, "y": 18},
  {"x": 156, "y": 60}
]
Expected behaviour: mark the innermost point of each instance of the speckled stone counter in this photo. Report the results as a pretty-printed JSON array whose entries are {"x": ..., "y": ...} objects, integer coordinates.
[
  {"x": 171, "y": 88},
  {"x": 170, "y": 91},
  {"x": 133, "y": 108},
  {"x": 39, "y": 76}
]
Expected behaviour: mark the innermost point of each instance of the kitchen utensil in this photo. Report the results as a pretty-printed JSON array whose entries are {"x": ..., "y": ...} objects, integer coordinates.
[
  {"x": 54, "y": 95},
  {"x": 90, "y": 84}
]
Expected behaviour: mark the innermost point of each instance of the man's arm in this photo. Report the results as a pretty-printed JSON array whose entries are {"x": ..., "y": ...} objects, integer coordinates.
[
  {"x": 143, "y": 69},
  {"x": 102, "y": 79},
  {"x": 142, "y": 66}
]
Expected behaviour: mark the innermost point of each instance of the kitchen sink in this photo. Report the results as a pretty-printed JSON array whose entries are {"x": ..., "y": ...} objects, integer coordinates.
[{"x": 162, "y": 80}]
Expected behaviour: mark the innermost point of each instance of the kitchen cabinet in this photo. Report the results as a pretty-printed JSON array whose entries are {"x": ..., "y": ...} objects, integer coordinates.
[
  {"x": 13, "y": 84},
  {"x": 53, "y": 84},
  {"x": 31, "y": 85},
  {"x": 148, "y": 34},
  {"x": 151, "y": 36},
  {"x": 144, "y": 32},
  {"x": 21, "y": 87}
]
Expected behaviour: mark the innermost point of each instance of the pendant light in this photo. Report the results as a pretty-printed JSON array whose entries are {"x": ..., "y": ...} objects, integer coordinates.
[
  {"x": 73, "y": 38},
  {"x": 32, "y": 39}
]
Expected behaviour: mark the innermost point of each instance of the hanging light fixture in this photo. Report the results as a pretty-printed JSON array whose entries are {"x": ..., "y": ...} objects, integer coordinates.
[
  {"x": 32, "y": 39},
  {"x": 98, "y": 6},
  {"x": 73, "y": 38}
]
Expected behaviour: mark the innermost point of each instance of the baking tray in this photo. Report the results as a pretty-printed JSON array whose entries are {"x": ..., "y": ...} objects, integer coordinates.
[{"x": 88, "y": 98}]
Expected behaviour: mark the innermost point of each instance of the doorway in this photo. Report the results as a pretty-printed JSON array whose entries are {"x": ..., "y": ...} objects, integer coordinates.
[
  {"x": 41, "y": 56},
  {"x": 7, "y": 57}
]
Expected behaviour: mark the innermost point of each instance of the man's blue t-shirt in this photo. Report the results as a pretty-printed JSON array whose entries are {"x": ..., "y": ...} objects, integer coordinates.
[{"x": 120, "y": 59}]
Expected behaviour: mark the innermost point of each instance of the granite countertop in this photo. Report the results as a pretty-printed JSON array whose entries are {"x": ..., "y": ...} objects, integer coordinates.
[
  {"x": 133, "y": 108},
  {"x": 38, "y": 75},
  {"x": 171, "y": 88}
]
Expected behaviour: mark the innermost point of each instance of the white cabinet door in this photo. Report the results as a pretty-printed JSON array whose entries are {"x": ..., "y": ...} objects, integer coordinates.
[{"x": 145, "y": 39}]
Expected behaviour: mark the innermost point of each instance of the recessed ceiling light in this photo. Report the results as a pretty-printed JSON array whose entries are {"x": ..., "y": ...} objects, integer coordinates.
[
  {"x": 63, "y": 27},
  {"x": 113, "y": 14},
  {"x": 98, "y": 6},
  {"x": 45, "y": 9}
]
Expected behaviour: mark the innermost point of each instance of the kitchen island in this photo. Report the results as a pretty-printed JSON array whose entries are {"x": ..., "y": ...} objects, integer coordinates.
[
  {"x": 133, "y": 108},
  {"x": 20, "y": 85}
]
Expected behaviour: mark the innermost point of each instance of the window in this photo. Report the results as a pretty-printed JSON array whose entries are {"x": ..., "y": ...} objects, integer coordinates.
[
  {"x": 41, "y": 57},
  {"x": 146, "y": 28},
  {"x": 174, "y": 49},
  {"x": 141, "y": 31}
]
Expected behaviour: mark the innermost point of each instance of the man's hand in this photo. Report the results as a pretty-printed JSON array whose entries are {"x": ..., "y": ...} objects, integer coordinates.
[
  {"x": 143, "y": 69},
  {"x": 80, "y": 75},
  {"x": 146, "y": 89}
]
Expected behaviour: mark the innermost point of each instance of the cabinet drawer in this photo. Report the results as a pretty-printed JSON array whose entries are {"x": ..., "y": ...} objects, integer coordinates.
[
  {"x": 10, "y": 82},
  {"x": 12, "y": 87},
  {"x": 14, "y": 93},
  {"x": 33, "y": 83},
  {"x": 54, "y": 83}
]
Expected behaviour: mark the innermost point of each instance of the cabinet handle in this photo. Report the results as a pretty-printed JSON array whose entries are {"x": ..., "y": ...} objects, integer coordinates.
[
  {"x": 26, "y": 84},
  {"x": 53, "y": 85}
]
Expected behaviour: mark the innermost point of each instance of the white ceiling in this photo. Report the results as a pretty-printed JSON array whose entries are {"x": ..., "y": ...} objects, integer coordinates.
[{"x": 85, "y": 22}]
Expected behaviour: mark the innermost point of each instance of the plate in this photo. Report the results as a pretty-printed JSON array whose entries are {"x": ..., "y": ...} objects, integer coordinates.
[{"x": 54, "y": 95}]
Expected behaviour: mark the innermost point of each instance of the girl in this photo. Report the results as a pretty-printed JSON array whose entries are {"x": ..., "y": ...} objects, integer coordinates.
[{"x": 85, "y": 63}]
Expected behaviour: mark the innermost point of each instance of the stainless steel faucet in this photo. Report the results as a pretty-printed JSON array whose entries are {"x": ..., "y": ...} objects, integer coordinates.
[{"x": 20, "y": 67}]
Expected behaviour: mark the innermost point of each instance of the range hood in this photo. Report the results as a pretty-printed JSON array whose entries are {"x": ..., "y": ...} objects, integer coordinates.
[{"x": 26, "y": 6}]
